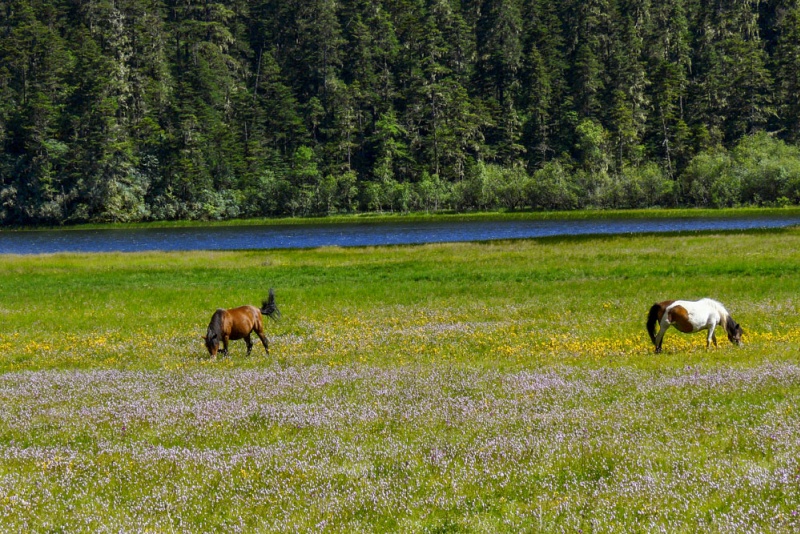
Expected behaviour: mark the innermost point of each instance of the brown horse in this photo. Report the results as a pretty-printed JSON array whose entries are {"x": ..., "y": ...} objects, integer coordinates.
[{"x": 239, "y": 323}]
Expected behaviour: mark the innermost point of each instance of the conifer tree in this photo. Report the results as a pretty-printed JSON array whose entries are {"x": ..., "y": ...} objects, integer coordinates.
[
  {"x": 34, "y": 62},
  {"x": 588, "y": 26},
  {"x": 499, "y": 59},
  {"x": 668, "y": 63},
  {"x": 730, "y": 86},
  {"x": 787, "y": 61},
  {"x": 152, "y": 109},
  {"x": 628, "y": 81},
  {"x": 543, "y": 98}
]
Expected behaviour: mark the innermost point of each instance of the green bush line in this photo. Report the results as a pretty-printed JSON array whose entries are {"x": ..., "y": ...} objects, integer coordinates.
[{"x": 498, "y": 215}]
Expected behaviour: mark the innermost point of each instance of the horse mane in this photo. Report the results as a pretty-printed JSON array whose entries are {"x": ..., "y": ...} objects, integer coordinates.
[
  {"x": 730, "y": 324},
  {"x": 215, "y": 326}
]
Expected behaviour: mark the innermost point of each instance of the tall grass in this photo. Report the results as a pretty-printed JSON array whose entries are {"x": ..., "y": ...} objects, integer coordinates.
[{"x": 498, "y": 386}]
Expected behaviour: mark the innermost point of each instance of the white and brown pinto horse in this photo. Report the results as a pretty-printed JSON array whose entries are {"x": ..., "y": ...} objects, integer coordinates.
[
  {"x": 691, "y": 316},
  {"x": 239, "y": 323}
]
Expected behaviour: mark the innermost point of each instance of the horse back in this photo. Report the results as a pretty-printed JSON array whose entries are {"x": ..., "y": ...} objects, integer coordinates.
[
  {"x": 695, "y": 315},
  {"x": 239, "y": 322}
]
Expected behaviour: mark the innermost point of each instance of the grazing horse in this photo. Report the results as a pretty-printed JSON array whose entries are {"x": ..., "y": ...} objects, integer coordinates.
[
  {"x": 239, "y": 323},
  {"x": 691, "y": 316}
]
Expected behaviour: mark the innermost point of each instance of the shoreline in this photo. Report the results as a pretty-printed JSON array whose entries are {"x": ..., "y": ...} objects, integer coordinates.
[{"x": 377, "y": 218}]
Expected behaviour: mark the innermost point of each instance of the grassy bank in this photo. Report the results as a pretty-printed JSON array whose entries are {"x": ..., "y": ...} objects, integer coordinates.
[
  {"x": 464, "y": 387},
  {"x": 378, "y": 218}
]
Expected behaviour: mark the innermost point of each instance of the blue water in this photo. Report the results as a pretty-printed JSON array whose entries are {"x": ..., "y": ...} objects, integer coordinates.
[{"x": 349, "y": 235}]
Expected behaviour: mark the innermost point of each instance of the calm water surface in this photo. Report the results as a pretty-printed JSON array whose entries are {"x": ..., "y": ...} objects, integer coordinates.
[{"x": 350, "y": 235}]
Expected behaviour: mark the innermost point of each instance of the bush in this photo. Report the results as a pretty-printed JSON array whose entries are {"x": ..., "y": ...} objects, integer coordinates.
[
  {"x": 432, "y": 193},
  {"x": 552, "y": 188},
  {"x": 709, "y": 180},
  {"x": 508, "y": 185},
  {"x": 372, "y": 196},
  {"x": 268, "y": 195},
  {"x": 473, "y": 192},
  {"x": 223, "y": 204},
  {"x": 397, "y": 195},
  {"x": 769, "y": 170},
  {"x": 595, "y": 189},
  {"x": 644, "y": 186},
  {"x": 760, "y": 170}
]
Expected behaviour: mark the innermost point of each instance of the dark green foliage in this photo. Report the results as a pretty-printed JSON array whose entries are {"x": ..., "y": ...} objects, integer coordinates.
[
  {"x": 769, "y": 170},
  {"x": 144, "y": 109},
  {"x": 786, "y": 59}
]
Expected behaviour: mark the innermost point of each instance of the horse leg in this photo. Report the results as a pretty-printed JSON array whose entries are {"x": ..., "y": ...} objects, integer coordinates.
[
  {"x": 711, "y": 336},
  {"x": 225, "y": 346},
  {"x": 249, "y": 344},
  {"x": 264, "y": 342},
  {"x": 661, "y": 332}
]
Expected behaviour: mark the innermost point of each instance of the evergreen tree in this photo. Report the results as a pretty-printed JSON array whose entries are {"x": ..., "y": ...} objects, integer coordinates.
[
  {"x": 543, "y": 98},
  {"x": 101, "y": 165},
  {"x": 279, "y": 120},
  {"x": 731, "y": 85},
  {"x": 668, "y": 58},
  {"x": 588, "y": 26},
  {"x": 435, "y": 88},
  {"x": 499, "y": 48},
  {"x": 499, "y": 59},
  {"x": 628, "y": 81},
  {"x": 34, "y": 61},
  {"x": 787, "y": 61}
]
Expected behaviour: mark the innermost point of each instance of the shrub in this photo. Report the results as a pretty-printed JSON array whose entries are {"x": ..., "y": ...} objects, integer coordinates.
[
  {"x": 769, "y": 170},
  {"x": 552, "y": 188},
  {"x": 269, "y": 194},
  {"x": 508, "y": 185},
  {"x": 709, "y": 180},
  {"x": 645, "y": 186},
  {"x": 432, "y": 193},
  {"x": 473, "y": 192},
  {"x": 222, "y": 204}
]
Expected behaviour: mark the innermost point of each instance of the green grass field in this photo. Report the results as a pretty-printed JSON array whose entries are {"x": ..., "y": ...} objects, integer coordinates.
[{"x": 482, "y": 387}]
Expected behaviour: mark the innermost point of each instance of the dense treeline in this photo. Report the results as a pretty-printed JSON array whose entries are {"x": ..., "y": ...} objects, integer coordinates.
[{"x": 161, "y": 109}]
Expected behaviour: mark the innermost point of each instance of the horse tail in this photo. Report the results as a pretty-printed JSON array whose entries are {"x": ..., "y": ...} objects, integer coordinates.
[
  {"x": 652, "y": 319},
  {"x": 269, "y": 308}
]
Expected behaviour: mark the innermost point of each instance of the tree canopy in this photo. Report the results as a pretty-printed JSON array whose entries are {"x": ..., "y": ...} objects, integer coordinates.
[{"x": 165, "y": 109}]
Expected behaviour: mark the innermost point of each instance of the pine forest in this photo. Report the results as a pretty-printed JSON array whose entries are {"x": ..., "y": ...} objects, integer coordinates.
[{"x": 138, "y": 110}]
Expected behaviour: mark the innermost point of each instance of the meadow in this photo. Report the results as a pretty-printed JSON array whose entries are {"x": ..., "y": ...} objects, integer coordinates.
[{"x": 474, "y": 387}]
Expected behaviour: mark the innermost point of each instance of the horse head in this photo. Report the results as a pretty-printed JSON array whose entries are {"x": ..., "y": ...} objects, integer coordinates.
[
  {"x": 212, "y": 342},
  {"x": 734, "y": 331}
]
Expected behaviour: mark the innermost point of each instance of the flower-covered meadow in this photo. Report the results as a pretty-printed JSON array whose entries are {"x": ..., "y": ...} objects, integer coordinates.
[
  {"x": 474, "y": 387},
  {"x": 361, "y": 448}
]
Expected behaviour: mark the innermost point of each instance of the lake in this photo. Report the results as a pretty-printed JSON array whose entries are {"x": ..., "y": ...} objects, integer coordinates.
[{"x": 353, "y": 234}]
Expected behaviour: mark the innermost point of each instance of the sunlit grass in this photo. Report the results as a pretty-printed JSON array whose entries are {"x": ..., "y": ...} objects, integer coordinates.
[{"x": 506, "y": 386}]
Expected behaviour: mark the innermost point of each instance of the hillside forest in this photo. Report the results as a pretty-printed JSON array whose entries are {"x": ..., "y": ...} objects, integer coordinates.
[{"x": 129, "y": 110}]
